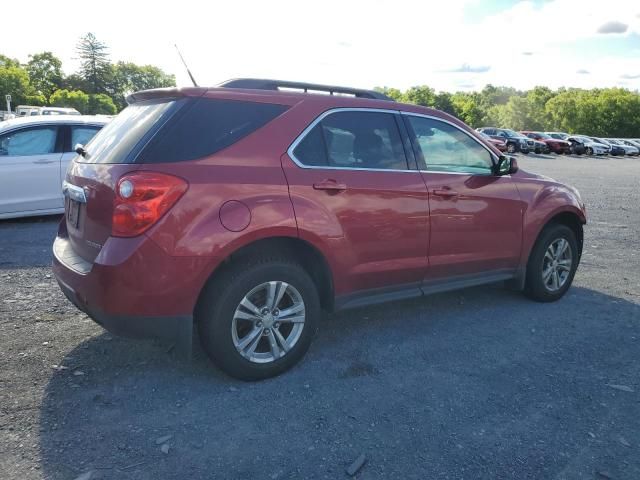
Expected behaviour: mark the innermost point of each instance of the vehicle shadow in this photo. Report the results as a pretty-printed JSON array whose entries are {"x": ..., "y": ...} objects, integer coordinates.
[
  {"x": 480, "y": 383},
  {"x": 35, "y": 236}
]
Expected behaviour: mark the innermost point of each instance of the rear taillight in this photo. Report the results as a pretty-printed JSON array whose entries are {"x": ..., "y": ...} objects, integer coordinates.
[{"x": 142, "y": 198}]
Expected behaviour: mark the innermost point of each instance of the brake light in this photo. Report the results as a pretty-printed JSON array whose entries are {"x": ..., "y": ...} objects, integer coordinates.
[{"x": 142, "y": 198}]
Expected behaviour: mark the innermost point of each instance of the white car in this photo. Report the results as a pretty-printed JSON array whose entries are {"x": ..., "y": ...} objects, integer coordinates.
[
  {"x": 629, "y": 147},
  {"x": 591, "y": 147},
  {"x": 34, "y": 155}
]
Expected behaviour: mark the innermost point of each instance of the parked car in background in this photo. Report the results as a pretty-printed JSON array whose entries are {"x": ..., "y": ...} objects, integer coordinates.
[
  {"x": 633, "y": 143},
  {"x": 614, "y": 149},
  {"x": 540, "y": 147},
  {"x": 558, "y": 135},
  {"x": 555, "y": 145},
  {"x": 34, "y": 155},
  {"x": 247, "y": 210},
  {"x": 629, "y": 148},
  {"x": 515, "y": 142},
  {"x": 590, "y": 146},
  {"x": 29, "y": 110},
  {"x": 499, "y": 143}
]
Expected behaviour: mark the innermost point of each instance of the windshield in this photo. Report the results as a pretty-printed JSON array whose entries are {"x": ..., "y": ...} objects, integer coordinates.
[{"x": 544, "y": 136}]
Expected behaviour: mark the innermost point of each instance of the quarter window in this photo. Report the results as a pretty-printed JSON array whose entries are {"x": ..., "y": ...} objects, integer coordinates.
[
  {"x": 354, "y": 139},
  {"x": 32, "y": 141},
  {"x": 445, "y": 148}
]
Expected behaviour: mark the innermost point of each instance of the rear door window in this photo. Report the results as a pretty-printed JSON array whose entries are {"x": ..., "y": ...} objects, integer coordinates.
[{"x": 354, "y": 139}]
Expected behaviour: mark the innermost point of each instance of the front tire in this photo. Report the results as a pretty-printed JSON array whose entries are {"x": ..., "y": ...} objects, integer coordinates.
[
  {"x": 258, "y": 319},
  {"x": 552, "y": 264},
  {"x": 589, "y": 151}
]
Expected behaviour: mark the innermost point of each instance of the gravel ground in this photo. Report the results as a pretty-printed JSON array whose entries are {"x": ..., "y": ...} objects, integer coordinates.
[{"x": 480, "y": 383}]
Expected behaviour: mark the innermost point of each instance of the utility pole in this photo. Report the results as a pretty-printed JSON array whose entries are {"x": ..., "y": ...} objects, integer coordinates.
[{"x": 8, "y": 99}]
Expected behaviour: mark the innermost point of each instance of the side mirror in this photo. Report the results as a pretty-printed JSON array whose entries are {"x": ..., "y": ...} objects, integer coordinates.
[{"x": 506, "y": 165}]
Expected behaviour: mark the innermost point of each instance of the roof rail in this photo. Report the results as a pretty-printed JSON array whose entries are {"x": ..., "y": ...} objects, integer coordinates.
[{"x": 266, "y": 84}]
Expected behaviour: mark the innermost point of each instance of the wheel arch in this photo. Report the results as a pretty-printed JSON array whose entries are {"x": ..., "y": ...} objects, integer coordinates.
[
  {"x": 303, "y": 252},
  {"x": 571, "y": 219}
]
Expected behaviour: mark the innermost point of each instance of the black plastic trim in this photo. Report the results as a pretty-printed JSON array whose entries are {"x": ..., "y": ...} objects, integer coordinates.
[
  {"x": 176, "y": 329},
  {"x": 419, "y": 289}
]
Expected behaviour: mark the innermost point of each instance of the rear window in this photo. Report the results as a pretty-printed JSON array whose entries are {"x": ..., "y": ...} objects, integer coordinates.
[
  {"x": 119, "y": 140},
  {"x": 205, "y": 127}
]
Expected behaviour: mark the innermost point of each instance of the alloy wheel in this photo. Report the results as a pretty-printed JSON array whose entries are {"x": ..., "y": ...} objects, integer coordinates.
[
  {"x": 556, "y": 265},
  {"x": 268, "y": 322}
]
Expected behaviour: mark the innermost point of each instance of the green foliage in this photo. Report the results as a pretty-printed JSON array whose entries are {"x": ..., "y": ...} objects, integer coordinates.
[
  {"x": 95, "y": 67},
  {"x": 422, "y": 95},
  {"x": 467, "y": 107},
  {"x": 37, "y": 100},
  {"x": 45, "y": 73},
  {"x": 8, "y": 62},
  {"x": 71, "y": 99},
  {"x": 128, "y": 77},
  {"x": 390, "y": 92},
  {"x": 101, "y": 104},
  {"x": 608, "y": 112},
  {"x": 14, "y": 81}
]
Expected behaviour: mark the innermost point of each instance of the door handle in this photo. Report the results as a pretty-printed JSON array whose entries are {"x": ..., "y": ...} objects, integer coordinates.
[
  {"x": 330, "y": 185},
  {"x": 445, "y": 192},
  {"x": 43, "y": 161}
]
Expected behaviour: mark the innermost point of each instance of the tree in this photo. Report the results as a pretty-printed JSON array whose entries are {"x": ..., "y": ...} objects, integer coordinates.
[
  {"x": 8, "y": 62},
  {"x": 442, "y": 101},
  {"x": 95, "y": 67},
  {"x": 36, "y": 99},
  {"x": 14, "y": 81},
  {"x": 45, "y": 73},
  {"x": 128, "y": 77},
  {"x": 390, "y": 92},
  {"x": 75, "y": 82},
  {"x": 422, "y": 95},
  {"x": 74, "y": 99},
  {"x": 101, "y": 104},
  {"x": 467, "y": 108},
  {"x": 515, "y": 114}
]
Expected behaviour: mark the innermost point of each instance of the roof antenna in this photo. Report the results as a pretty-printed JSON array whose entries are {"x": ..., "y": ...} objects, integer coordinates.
[{"x": 185, "y": 66}]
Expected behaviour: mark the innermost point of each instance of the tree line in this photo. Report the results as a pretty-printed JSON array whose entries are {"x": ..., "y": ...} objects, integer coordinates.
[
  {"x": 602, "y": 112},
  {"x": 98, "y": 87}
]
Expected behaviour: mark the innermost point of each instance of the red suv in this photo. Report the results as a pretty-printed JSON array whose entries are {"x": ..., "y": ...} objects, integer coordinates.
[
  {"x": 555, "y": 145},
  {"x": 250, "y": 208}
]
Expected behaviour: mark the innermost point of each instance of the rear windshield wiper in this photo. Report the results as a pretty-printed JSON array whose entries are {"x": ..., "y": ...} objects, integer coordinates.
[{"x": 79, "y": 148}]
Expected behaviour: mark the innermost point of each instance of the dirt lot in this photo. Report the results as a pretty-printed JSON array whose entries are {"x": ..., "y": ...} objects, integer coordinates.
[{"x": 480, "y": 383}]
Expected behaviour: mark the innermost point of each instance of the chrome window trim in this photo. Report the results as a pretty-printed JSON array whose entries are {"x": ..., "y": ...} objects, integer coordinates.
[
  {"x": 492, "y": 155},
  {"x": 325, "y": 114}
]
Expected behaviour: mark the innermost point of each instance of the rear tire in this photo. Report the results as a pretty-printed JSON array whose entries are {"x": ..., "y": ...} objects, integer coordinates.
[
  {"x": 511, "y": 148},
  {"x": 552, "y": 264},
  {"x": 589, "y": 151},
  {"x": 273, "y": 341}
]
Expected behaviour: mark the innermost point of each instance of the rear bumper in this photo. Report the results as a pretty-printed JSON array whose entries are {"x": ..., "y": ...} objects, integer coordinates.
[
  {"x": 177, "y": 329},
  {"x": 133, "y": 288}
]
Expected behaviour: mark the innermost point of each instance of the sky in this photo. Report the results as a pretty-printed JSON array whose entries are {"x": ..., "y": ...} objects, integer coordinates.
[{"x": 451, "y": 45}]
